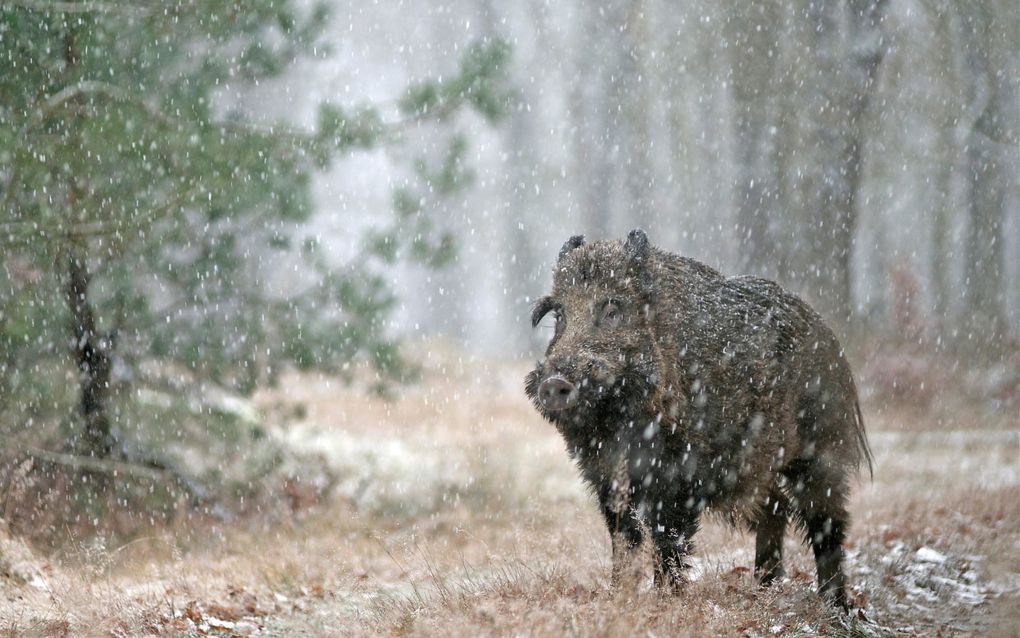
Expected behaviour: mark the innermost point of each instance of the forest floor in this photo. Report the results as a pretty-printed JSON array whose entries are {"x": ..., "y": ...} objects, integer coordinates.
[{"x": 453, "y": 510}]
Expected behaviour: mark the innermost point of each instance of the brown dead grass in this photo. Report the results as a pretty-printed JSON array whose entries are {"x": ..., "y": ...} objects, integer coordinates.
[{"x": 521, "y": 551}]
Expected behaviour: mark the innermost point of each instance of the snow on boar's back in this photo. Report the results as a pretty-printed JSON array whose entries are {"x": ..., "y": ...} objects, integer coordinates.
[{"x": 679, "y": 390}]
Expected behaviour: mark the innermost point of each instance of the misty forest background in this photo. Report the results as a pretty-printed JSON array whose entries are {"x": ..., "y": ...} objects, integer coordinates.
[
  {"x": 863, "y": 153},
  {"x": 200, "y": 196}
]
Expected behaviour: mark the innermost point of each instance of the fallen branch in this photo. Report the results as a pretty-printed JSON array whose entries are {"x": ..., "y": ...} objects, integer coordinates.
[
  {"x": 99, "y": 466},
  {"x": 150, "y": 469}
]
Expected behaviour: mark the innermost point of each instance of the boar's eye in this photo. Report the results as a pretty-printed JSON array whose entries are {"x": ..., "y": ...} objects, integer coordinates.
[{"x": 610, "y": 315}]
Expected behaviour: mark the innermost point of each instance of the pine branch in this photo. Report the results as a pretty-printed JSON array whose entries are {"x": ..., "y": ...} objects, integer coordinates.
[{"x": 53, "y": 6}]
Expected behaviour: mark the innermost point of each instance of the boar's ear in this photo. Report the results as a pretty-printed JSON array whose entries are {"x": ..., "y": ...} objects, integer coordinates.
[
  {"x": 636, "y": 248},
  {"x": 541, "y": 309},
  {"x": 574, "y": 242},
  {"x": 637, "y": 251}
]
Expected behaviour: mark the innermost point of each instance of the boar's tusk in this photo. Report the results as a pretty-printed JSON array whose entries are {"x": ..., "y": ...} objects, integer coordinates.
[{"x": 541, "y": 309}]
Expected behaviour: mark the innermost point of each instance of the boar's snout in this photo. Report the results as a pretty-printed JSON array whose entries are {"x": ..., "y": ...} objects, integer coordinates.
[{"x": 556, "y": 393}]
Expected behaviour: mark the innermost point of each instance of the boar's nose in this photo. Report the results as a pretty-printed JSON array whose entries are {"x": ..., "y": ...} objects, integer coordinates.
[{"x": 556, "y": 393}]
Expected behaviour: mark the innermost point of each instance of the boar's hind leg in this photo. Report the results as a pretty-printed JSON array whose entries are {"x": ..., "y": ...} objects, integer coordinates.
[
  {"x": 769, "y": 528},
  {"x": 818, "y": 493}
]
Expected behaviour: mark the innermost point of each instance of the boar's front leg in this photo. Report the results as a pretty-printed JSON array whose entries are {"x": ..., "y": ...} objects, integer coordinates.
[
  {"x": 625, "y": 534},
  {"x": 672, "y": 533}
]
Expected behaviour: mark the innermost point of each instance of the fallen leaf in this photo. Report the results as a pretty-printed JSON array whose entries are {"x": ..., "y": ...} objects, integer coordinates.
[
  {"x": 890, "y": 535},
  {"x": 858, "y": 599},
  {"x": 223, "y": 612},
  {"x": 192, "y": 612}
]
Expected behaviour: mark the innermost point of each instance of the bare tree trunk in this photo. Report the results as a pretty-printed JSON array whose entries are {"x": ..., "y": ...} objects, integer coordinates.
[
  {"x": 868, "y": 48},
  {"x": 984, "y": 244},
  {"x": 520, "y": 258},
  {"x": 591, "y": 122},
  {"x": 753, "y": 30},
  {"x": 940, "y": 248},
  {"x": 92, "y": 356},
  {"x": 634, "y": 109},
  {"x": 991, "y": 138},
  {"x": 947, "y": 23},
  {"x": 847, "y": 47},
  {"x": 91, "y": 353},
  {"x": 519, "y": 201},
  {"x": 8, "y": 359}
]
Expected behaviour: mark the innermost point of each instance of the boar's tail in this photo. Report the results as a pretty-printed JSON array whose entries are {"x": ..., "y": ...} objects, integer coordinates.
[{"x": 862, "y": 440}]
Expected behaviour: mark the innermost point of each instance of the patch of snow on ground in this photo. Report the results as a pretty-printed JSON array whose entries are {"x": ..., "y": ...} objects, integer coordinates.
[
  {"x": 412, "y": 473},
  {"x": 379, "y": 473},
  {"x": 19, "y": 564},
  {"x": 929, "y": 555},
  {"x": 928, "y": 576},
  {"x": 990, "y": 461}
]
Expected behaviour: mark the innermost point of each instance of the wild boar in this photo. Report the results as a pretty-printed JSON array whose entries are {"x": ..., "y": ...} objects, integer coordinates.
[{"x": 680, "y": 391}]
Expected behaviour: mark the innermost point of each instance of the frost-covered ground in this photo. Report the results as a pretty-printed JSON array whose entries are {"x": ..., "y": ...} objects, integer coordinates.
[{"x": 454, "y": 511}]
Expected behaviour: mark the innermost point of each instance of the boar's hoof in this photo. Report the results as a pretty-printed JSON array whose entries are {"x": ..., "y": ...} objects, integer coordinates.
[{"x": 556, "y": 393}]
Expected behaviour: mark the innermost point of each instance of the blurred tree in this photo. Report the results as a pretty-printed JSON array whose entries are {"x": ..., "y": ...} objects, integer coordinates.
[
  {"x": 848, "y": 44},
  {"x": 754, "y": 30},
  {"x": 803, "y": 76},
  {"x": 698, "y": 96},
  {"x": 136, "y": 215},
  {"x": 992, "y": 140},
  {"x": 521, "y": 205},
  {"x": 634, "y": 112},
  {"x": 947, "y": 59},
  {"x": 591, "y": 104}
]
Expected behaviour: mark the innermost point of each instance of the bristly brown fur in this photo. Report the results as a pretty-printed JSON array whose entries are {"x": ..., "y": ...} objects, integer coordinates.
[{"x": 718, "y": 393}]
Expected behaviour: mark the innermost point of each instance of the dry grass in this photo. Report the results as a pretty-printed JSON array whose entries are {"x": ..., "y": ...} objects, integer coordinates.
[{"x": 456, "y": 512}]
